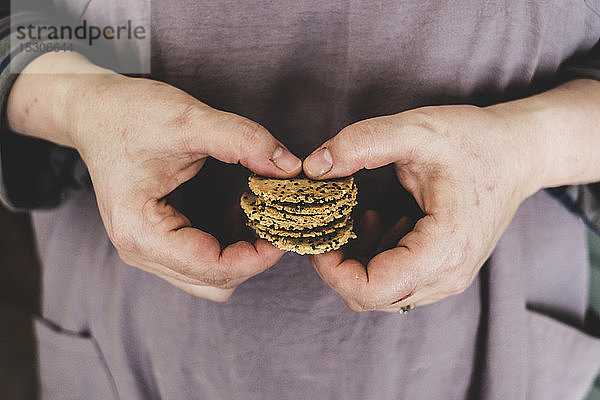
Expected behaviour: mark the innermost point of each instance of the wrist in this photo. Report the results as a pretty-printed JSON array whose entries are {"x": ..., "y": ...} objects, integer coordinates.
[
  {"x": 559, "y": 133},
  {"x": 46, "y": 99},
  {"x": 86, "y": 99},
  {"x": 522, "y": 127}
]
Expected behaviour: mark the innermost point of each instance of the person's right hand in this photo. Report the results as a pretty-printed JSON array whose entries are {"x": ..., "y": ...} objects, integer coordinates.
[{"x": 141, "y": 139}]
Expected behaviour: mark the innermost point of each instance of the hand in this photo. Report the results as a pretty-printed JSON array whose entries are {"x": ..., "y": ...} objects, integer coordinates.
[
  {"x": 467, "y": 168},
  {"x": 141, "y": 139}
]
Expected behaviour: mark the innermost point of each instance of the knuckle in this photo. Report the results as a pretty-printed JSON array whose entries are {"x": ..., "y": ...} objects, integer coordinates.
[
  {"x": 427, "y": 121},
  {"x": 205, "y": 292},
  {"x": 367, "y": 304},
  {"x": 250, "y": 133},
  {"x": 123, "y": 239},
  {"x": 217, "y": 277},
  {"x": 358, "y": 141},
  {"x": 354, "y": 306},
  {"x": 460, "y": 283},
  {"x": 221, "y": 296},
  {"x": 217, "y": 281},
  {"x": 459, "y": 257},
  {"x": 460, "y": 275},
  {"x": 406, "y": 282},
  {"x": 212, "y": 276},
  {"x": 206, "y": 273},
  {"x": 187, "y": 269},
  {"x": 359, "y": 131},
  {"x": 404, "y": 290},
  {"x": 250, "y": 139},
  {"x": 183, "y": 118}
]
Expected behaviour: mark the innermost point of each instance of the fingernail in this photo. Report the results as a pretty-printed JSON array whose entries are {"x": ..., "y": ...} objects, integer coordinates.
[
  {"x": 318, "y": 163},
  {"x": 285, "y": 160}
]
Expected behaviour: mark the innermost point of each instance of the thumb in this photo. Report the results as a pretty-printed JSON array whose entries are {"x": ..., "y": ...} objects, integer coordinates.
[
  {"x": 369, "y": 144},
  {"x": 234, "y": 139}
]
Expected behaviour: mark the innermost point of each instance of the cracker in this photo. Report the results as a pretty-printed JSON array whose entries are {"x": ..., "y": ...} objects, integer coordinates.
[
  {"x": 291, "y": 224},
  {"x": 272, "y": 217},
  {"x": 269, "y": 211},
  {"x": 312, "y": 209},
  {"x": 249, "y": 204},
  {"x": 308, "y": 245},
  {"x": 313, "y": 232},
  {"x": 301, "y": 190},
  {"x": 300, "y": 214}
]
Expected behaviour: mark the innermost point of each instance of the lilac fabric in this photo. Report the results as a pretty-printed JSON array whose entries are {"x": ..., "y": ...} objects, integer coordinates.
[{"x": 305, "y": 70}]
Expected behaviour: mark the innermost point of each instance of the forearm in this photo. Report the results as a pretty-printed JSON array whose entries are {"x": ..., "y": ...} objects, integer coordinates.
[
  {"x": 41, "y": 101},
  {"x": 561, "y": 128}
]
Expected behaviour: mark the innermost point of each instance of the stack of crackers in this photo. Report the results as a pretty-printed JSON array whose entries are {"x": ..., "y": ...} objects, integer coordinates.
[{"x": 301, "y": 214}]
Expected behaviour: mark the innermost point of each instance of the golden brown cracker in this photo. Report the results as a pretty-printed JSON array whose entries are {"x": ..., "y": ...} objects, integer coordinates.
[
  {"x": 300, "y": 190},
  {"x": 267, "y": 215},
  {"x": 311, "y": 245},
  {"x": 303, "y": 232}
]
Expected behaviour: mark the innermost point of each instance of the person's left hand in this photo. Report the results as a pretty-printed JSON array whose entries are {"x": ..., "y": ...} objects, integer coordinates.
[{"x": 467, "y": 167}]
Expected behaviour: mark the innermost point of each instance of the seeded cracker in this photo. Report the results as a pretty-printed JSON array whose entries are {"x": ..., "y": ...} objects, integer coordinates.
[
  {"x": 300, "y": 190},
  {"x": 271, "y": 216},
  {"x": 318, "y": 245},
  {"x": 318, "y": 231},
  {"x": 348, "y": 200},
  {"x": 300, "y": 214}
]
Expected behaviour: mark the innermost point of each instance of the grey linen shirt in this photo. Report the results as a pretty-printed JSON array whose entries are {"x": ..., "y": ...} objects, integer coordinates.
[{"x": 305, "y": 70}]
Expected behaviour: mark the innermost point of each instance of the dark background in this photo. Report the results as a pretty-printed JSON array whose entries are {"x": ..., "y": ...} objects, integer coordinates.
[{"x": 19, "y": 300}]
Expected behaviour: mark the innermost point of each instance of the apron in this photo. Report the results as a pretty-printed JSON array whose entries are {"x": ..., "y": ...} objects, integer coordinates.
[{"x": 305, "y": 70}]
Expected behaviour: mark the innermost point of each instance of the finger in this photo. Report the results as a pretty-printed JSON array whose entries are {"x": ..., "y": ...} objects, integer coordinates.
[
  {"x": 354, "y": 282},
  {"x": 234, "y": 139},
  {"x": 390, "y": 239},
  {"x": 165, "y": 237},
  {"x": 350, "y": 279},
  {"x": 418, "y": 299},
  {"x": 205, "y": 292},
  {"x": 426, "y": 295},
  {"x": 182, "y": 282},
  {"x": 427, "y": 262},
  {"x": 398, "y": 276},
  {"x": 369, "y": 144},
  {"x": 345, "y": 276}
]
